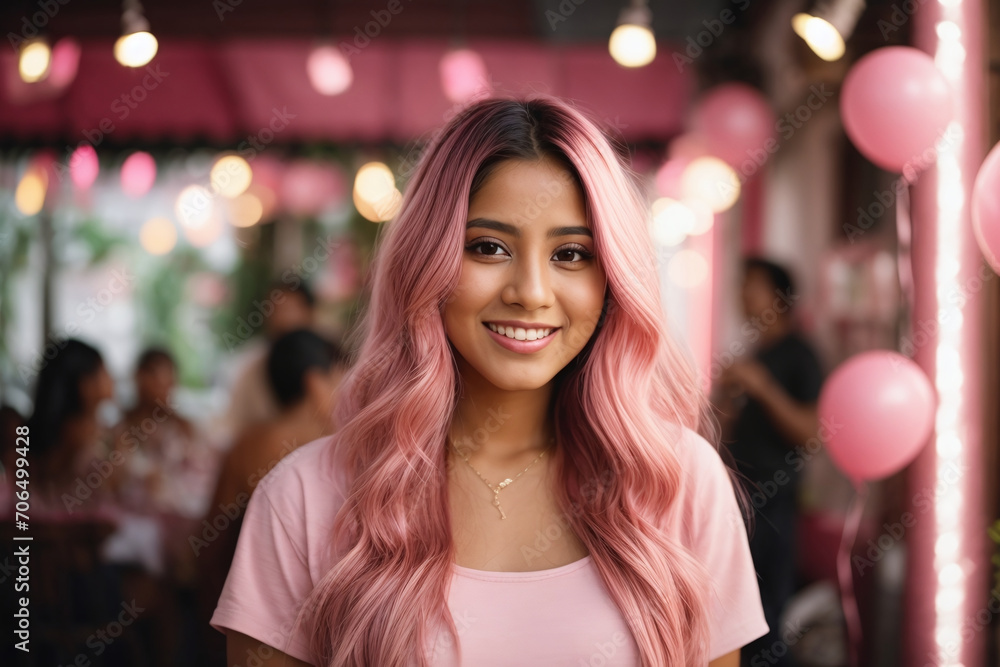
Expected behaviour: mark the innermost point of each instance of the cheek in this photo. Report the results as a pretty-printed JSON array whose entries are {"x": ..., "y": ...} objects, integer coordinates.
[
  {"x": 584, "y": 302},
  {"x": 474, "y": 291}
]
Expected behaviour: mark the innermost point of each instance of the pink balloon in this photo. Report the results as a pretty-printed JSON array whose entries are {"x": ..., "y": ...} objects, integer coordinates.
[
  {"x": 736, "y": 123},
  {"x": 879, "y": 408},
  {"x": 986, "y": 208},
  {"x": 895, "y": 104}
]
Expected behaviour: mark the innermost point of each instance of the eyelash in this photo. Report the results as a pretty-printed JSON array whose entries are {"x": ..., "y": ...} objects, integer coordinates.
[{"x": 575, "y": 247}]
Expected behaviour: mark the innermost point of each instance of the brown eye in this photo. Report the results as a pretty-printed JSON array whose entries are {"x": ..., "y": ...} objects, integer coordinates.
[
  {"x": 566, "y": 254},
  {"x": 485, "y": 248}
]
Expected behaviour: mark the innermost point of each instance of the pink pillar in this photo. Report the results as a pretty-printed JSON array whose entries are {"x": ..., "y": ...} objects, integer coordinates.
[{"x": 948, "y": 569}]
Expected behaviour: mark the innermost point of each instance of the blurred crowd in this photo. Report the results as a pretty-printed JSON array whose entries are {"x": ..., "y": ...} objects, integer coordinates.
[{"x": 138, "y": 520}]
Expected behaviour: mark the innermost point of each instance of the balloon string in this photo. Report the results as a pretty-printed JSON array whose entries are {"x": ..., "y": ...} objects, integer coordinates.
[
  {"x": 904, "y": 263},
  {"x": 847, "y": 599}
]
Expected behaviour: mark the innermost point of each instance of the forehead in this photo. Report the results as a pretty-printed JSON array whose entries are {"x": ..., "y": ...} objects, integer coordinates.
[{"x": 529, "y": 190}]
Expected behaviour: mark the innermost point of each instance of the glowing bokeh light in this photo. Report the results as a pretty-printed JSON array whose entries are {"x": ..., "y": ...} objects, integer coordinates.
[
  {"x": 65, "y": 61},
  {"x": 158, "y": 236},
  {"x": 821, "y": 36},
  {"x": 329, "y": 71},
  {"x": 138, "y": 174},
  {"x": 194, "y": 207},
  {"x": 245, "y": 210},
  {"x": 632, "y": 45},
  {"x": 84, "y": 166},
  {"x": 30, "y": 194},
  {"x": 375, "y": 193},
  {"x": 687, "y": 269},
  {"x": 463, "y": 75},
  {"x": 34, "y": 60},
  {"x": 711, "y": 181},
  {"x": 205, "y": 234},
  {"x": 136, "y": 49},
  {"x": 231, "y": 176}
]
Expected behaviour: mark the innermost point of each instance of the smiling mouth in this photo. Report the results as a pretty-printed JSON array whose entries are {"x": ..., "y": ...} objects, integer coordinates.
[{"x": 517, "y": 333}]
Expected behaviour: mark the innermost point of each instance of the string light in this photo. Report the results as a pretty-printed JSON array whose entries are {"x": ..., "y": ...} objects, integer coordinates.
[
  {"x": 137, "y": 45},
  {"x": 828, "y": 26},
  {"x": 34, "y": 60},
  {"x": 632, "y": 43}
]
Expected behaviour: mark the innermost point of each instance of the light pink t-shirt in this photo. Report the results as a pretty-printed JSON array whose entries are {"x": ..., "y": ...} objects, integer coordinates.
[{"x": 559, "y": 616}]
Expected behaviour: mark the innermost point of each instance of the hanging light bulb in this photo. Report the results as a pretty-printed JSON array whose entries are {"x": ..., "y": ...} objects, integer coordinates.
[
  {"x": 34, "y": 60},
  {"x": 828, "y": 25},
  {"x": 136, "y": 46},
  {"x": 632, "y": 43}
]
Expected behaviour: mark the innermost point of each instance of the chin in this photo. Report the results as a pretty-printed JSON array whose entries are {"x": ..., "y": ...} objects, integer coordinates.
[{"x": 505, "y": 382}]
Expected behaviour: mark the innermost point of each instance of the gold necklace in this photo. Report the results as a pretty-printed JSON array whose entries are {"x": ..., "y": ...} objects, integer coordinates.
[{"x": 499, "y": 487}]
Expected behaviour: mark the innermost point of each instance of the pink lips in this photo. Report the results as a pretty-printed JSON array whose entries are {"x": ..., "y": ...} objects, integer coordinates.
[{"x": 522, "y": 346}]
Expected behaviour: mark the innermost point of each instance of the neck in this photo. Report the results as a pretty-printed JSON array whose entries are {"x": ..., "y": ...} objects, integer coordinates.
[
  {"x": 500, "y": 426},
  {"x": 306, "y": 422}
]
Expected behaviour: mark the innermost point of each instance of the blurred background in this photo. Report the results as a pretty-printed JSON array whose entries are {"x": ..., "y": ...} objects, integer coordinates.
[{"x": 189, "y": 197}]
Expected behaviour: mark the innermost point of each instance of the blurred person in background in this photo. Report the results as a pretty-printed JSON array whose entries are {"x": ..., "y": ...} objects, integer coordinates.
[
  {"x": 768, "y": 405},
  {"x": 169, "y": 469},
  {"x": 68, "y": 442},
  {"x": 304, "y": 371},
  {"x": 286, "y": 306}
]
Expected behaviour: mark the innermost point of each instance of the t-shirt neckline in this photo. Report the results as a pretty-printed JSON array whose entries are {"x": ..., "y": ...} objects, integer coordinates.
[{"x": 534, "y": 575}]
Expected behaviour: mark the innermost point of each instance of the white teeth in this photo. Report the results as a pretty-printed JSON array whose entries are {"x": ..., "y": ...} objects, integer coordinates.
[{"x": 518, "y": 333}]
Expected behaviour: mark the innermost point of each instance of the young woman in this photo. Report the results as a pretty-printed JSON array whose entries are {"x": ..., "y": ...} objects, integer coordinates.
[{"x": 518, "y": 478}]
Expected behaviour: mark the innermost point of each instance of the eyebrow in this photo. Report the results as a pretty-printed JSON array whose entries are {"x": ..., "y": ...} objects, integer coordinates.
[{"x": 516, "y": 232}]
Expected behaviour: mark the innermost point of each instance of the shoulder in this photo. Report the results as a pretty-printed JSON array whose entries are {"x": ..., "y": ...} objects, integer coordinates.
[
  {"x": 698, "y": 457},
  {"x": 706, "y": 495},
  {"x": 301, "y": 474},
  {"x": 296, "y": 502}
]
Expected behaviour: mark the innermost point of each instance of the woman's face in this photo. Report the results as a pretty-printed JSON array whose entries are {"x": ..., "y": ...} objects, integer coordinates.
[{"x": 528, "y": 266}]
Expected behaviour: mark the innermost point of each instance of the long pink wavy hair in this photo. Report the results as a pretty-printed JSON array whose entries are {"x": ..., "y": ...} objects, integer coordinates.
[{"x": 614, "y": 405}]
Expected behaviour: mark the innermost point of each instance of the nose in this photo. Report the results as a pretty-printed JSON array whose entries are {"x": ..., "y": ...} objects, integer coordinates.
[{"x": 529, "y": 283}]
